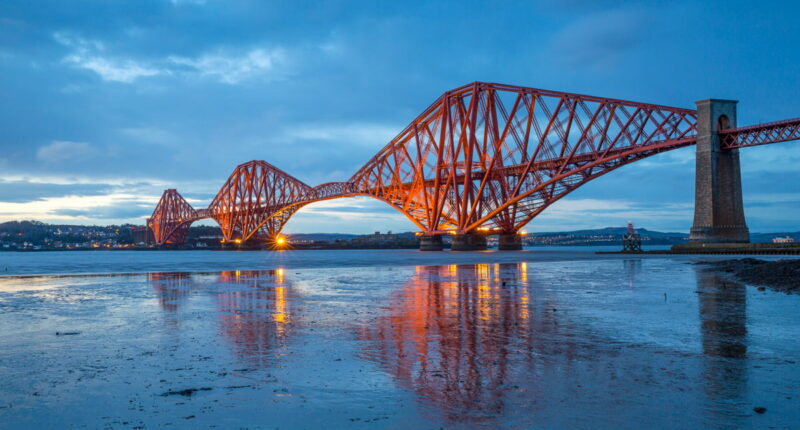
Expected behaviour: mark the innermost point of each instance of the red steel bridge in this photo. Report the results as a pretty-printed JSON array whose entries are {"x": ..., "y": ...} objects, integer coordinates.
[{"x": 487, "y": 158}]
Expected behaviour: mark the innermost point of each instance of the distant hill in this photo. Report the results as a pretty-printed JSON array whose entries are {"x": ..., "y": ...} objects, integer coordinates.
[
  {"x": 604, "y": 236},
  {"x": 614, "y": 231},
  {"x": 613, "y": 236}
]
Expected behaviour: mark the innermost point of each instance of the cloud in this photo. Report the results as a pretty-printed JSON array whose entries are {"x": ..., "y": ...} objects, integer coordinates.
[
  {"x": 349, "y": 215},
  {"x": 599, "y": 40},
  {"x": 232, "y": 69},
  {"x": 223, "y": 65},
  {"x": 568, "y": 214},
  {"x": 190, "y": 2},
  {"x": 771, "y": 198},
  {"x": 366, "y": 134},
  {"x": 73, "y": 208},
  {"x": 60, "y": 150},
  {"x": 131, "y": 210},
  {"x": 82, "y": 201},
  {"x": 86, "y": 55},
  {"x": 27, "y": 191},
  {"x": 151, "y": 135},
  {"x": 125, "y": 71}
]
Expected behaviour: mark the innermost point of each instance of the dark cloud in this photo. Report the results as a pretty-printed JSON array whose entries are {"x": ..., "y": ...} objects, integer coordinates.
[
  {"x": 129, "y": 211},
  {"x": 600, "y": 40},
  {"x": 24, "y": 191}
]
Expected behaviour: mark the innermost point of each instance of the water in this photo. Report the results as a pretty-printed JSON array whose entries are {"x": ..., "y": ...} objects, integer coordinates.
[
  {"x": 391, "y": 339},
  {"x": 74, "y": 262}
]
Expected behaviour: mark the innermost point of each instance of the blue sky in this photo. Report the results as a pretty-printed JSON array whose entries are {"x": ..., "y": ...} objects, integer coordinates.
[{"x": 105, "y": 104}]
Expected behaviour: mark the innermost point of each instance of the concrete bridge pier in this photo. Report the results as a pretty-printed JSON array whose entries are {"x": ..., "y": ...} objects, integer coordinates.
[
  {"x": 509, "y": 242},
  {"x": 431, "y": 243},
  {"x": 718, "y": 206},
  {"x": 468, "y": 242}
]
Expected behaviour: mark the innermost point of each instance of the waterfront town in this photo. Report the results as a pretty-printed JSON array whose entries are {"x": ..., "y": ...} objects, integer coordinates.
[{"x": 38, "y": 236}]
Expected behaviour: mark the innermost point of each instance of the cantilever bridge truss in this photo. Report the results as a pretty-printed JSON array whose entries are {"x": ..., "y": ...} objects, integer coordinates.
[{"x": 482, "y": 157}]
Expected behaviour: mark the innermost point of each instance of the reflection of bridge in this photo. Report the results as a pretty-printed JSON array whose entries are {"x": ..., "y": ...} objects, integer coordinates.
[
  {"x": 492, "y": 343},
  {"x": 488, "y": 158},
  {"x": 254, "y": 307}
]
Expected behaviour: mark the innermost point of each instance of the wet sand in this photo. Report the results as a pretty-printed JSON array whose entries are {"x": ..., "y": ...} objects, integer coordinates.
[
  {"x": 782, "y": 275},
  {"x": 585, "y": 343}
]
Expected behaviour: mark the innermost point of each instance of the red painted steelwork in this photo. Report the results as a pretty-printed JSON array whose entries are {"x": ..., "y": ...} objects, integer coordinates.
[
  {"x": 171, "y": 218},
  {"x": 761, "y": 134},
  {"x": 490, "y": 155},
  {"x": 257, "y": 199},
  {"x": 483, "y": 155}
]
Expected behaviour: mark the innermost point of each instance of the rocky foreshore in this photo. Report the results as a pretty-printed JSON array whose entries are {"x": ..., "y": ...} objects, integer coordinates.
[{"x": 780, "y": 275}]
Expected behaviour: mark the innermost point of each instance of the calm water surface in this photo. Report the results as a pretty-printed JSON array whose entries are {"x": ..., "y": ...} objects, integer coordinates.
[{"x": 391, "y": 339}]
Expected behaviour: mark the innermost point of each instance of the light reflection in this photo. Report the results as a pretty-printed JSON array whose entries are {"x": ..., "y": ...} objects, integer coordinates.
[
  {"x": 255, "y": 318},
  {"x": 633, "y": 267},
  {"x": 254, "y": 307},
  {"x": 450, "y": 332},
  {"x": 172, "y": 288}
]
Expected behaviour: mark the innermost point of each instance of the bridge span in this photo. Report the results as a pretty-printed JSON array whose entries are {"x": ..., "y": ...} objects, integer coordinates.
[{"x": 487, "y": 158}]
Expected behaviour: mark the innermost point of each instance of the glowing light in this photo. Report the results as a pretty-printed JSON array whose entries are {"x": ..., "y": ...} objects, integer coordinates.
[
  {"x": 523, "y": 271},
  {"x": 237, "y": 241},
  {"x": 280, "y": 307},
  {"x": 280, "y": 240},
  {"x": 523, "y": 232}
]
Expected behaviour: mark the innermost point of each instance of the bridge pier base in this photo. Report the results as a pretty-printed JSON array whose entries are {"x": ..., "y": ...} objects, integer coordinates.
[
  {"x": 468, "y": 242},
  {"x": 431, "y": 243},
  {"x": 718, "y": 206},
  {"x": 509, "y": 242}
]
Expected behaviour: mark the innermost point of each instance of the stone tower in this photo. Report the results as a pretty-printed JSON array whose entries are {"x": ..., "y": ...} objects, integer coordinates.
[{"x": 718, "y": 206}]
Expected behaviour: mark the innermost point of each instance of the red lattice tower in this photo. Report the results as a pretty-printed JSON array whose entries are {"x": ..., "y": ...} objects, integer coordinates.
[
  {"x": 494, "y": 156},
  {"x": 171, "y": 218},
  {"x": 256, "y": 201}
]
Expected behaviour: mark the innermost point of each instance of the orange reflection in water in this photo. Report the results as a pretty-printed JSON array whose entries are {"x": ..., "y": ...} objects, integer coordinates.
[
  {"x": 254, "y": 312},
  {"x": 254, "y": 306},
  {"x": 450, "y": 331},
  {"x": 172, "y": 288}
]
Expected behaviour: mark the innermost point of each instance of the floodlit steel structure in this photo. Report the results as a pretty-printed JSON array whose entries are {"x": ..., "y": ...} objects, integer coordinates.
[{"x": 483, "y": 158}]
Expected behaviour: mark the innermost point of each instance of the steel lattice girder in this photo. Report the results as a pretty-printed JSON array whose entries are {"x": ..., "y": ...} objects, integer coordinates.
[
  {"x": 761, "y": 134},
  {"x": 494, "y": 155},
  {"x": 171, "y": 218},
  {"x": 256, "y": 196},
  {"x": 481, "y": 156}
]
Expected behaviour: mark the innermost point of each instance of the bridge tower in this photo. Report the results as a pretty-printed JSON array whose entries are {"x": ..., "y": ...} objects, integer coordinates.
[{"x": 718, "y": 207}]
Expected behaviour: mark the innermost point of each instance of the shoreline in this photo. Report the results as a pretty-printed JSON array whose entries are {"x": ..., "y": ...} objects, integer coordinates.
[{"x": 779, "y": 275}]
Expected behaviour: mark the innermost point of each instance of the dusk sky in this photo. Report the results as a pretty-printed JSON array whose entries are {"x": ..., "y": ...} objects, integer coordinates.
[{"x": 105, "y": 104}]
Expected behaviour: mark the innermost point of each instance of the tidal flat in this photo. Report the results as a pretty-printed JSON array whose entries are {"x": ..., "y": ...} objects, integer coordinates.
[{"x": 527, "y": 340}]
